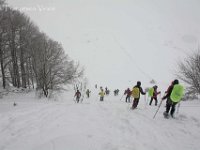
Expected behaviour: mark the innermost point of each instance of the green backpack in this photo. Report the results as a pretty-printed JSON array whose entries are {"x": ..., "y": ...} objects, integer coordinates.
[
  {"x": 177, "y": 93},
  {"x": 150, "y": 92}
]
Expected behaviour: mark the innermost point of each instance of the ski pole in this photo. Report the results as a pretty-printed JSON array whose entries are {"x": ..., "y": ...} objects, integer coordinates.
[
  {"x": 121, "y": 97},
  {"x": 146, "y": 100},
  {"x": 179, "y": 104},
  {"x": 157, "y": 109},
  {"x": 74, "y": 100}
]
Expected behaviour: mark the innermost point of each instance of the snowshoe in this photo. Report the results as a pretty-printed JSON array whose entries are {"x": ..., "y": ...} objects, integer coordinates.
[
  {"x": 166, "y": 115},
  {"x": 133, "y": 108}
]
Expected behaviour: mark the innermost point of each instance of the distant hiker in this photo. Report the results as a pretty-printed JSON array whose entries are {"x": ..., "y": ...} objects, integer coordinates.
[
  {"x": 14, "y": 104},
  {"x": 102, "y": 94},
  {"x": 107, "y": 91},
  {"x": 78, "y": 96},
  {"x": 153, "y": 93},
  {"x": 88, "y": 93},
  {"x": 116, "y": 92},
  {"x": 96, "y": 86},
  {"x": 136, "y": 94},
  {"x": 128, "y": 95},
  {"x": 173, "y": 96}
]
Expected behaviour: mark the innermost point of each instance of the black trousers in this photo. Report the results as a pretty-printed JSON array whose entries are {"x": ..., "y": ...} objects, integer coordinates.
[
  {"x": 170, "y": 105},
  {"x": 154, "y": 98},
  {"x": 128, "y": 99},
  {"x": 101, "y": 98},
  {"x": 135, "y": 103},
  {"x": 77, "y": 99}
]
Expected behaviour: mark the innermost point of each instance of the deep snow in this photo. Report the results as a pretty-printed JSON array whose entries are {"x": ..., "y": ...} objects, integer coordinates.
[{"x": 110, "y": 125}]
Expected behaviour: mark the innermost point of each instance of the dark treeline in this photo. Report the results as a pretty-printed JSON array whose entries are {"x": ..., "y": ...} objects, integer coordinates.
[{"x": 29, "y": 58}]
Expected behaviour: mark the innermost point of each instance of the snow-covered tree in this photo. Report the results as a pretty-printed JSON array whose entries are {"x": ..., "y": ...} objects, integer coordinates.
[
  {"x": 29, "y": 57},
  {"x": 189, "y": 72}
]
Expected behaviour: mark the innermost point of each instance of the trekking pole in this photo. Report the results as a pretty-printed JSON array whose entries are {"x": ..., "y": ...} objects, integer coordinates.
[
  {"x": 82, "y": 97},
  {"x": 157, "y": 109},
  {"x": 178, "y": 107},
  {"x": 74, "y": 100},
  {"x": 121, "y": 97},
  {"x": 145, "y": 104}
]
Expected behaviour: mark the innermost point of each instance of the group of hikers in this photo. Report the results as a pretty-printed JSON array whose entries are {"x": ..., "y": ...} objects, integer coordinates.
[
  {"x": 78, "y": 95},
  {"x": 173, "y": 94},
  {"x": 102, "y": 93}
]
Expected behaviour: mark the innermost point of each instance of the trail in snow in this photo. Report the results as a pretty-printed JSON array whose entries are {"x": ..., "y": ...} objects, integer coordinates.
[{"x": 108, "y": 125}]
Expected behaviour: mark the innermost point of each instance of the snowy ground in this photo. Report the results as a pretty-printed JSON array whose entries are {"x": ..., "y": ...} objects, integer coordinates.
[{"x": 92, "y": 125}]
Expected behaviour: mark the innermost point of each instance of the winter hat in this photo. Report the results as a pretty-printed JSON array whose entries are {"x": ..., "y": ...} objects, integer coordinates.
[
  {"x": 138, "y": 83},
  {"x": 176, "y": 82}
]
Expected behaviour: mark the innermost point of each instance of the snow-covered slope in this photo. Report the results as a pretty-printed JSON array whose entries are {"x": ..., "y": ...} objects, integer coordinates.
[
  {"x": 110, "y": 125},
  {"x": 121, "y": 41}
]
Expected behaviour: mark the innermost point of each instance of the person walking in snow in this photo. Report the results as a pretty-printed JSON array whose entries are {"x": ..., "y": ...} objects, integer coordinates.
[
  {"x": 107, "y": 91},
  {"x": 128, "y": 95},
  {"x": 173, "y": 96},
  {"x": 78, "y": 96},
  {"x": 136, "y": 94},
  {"x": 154, "y": 95},
  {"x": 88, "y": 93},
  {"x": 102, "y": 94},
  {"x": 115, "y": 93}
]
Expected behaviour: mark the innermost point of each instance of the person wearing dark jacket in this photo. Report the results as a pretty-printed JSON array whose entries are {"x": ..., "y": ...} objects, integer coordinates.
[
  {"x": 169, "y": 104},
  {"x": 136, "y": 99},
  {"x": 78, "y": 96},
  {"x": 128, "y": 95},
  {"x": 88, "y": 93}
]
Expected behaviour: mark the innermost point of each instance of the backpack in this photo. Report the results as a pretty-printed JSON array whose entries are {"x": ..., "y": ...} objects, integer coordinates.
[
  {"x": 177, "y": 93},
  {"x": 136, "y": 92},
  {"x": 150, "y": 92}
]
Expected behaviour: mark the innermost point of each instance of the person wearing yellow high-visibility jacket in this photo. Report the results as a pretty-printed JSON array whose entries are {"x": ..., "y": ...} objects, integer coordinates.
[
  {"x": 136, "y": 94},
  {"x": 102, "y": 94}
]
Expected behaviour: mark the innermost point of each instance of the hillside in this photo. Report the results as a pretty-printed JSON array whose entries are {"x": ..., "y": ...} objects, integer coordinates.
[
  {"x": 121, "y": 41},
  {"x": 110, "y": 125}
]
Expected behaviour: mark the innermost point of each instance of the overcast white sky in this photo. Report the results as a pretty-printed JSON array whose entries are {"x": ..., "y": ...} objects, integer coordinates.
[{"x": 120, "y": 41}]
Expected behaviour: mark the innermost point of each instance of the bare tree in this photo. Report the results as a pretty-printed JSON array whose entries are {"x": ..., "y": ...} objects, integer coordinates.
[
  {"x": 4, "y": 55},
  {"x": 2, "y": 2},
  {"x": 53, "y": 68},
  {"x": 29, "y": 57},
  {"x": 189, "y": 72}
]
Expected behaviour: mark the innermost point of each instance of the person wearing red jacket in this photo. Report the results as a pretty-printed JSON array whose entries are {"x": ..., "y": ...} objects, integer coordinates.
[
  {"x": 155, "y": 94},
  {"x": 78, "y": 96},
  {"x": 128, "y": 95},
  {"x": 170, "y": 104}
]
